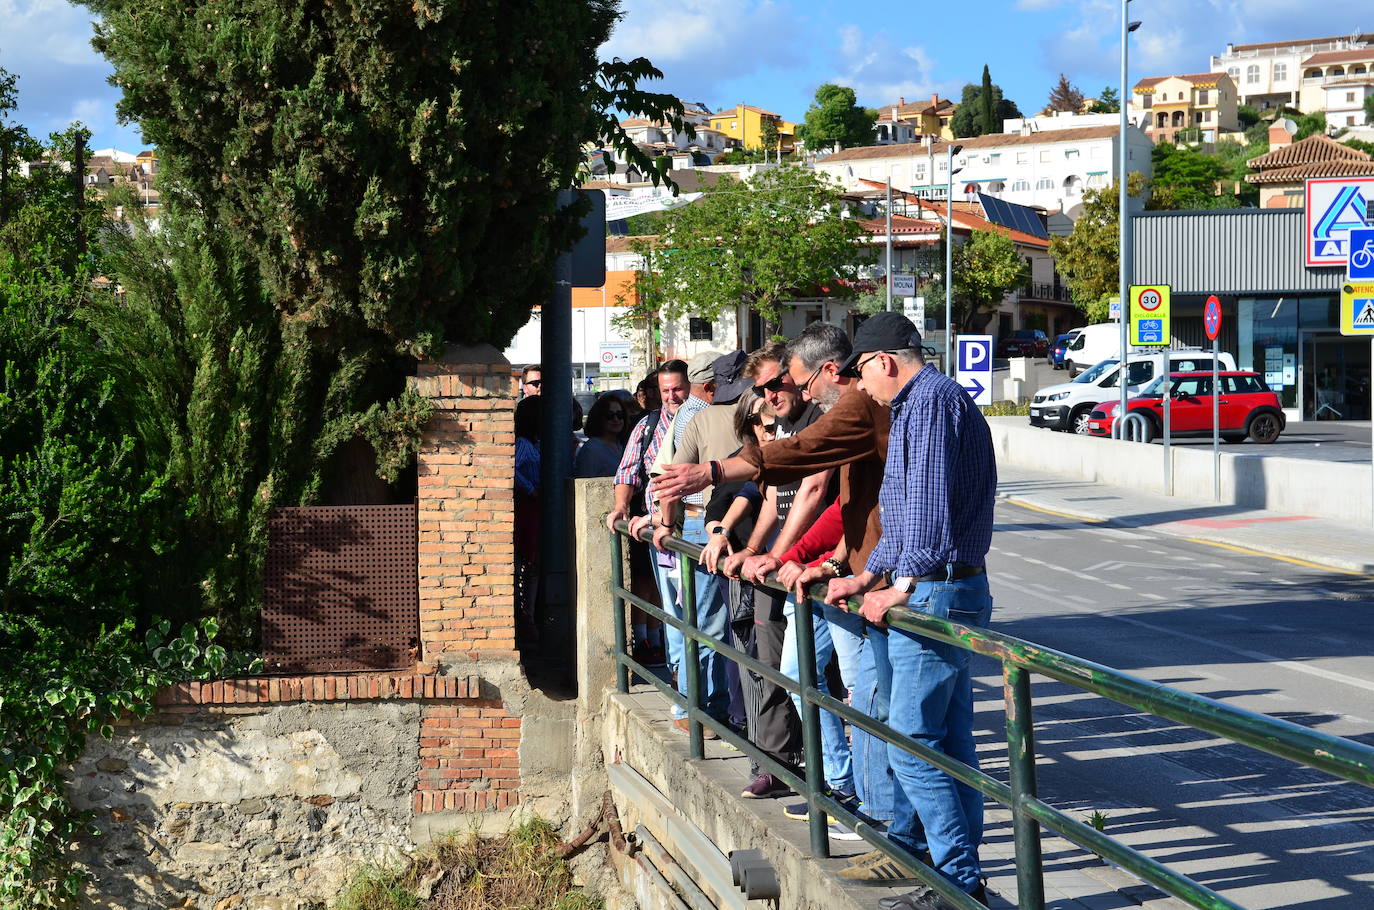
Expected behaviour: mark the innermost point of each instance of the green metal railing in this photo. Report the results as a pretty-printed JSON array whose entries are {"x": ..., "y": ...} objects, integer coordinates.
[{"x": 1339, "y": 757}]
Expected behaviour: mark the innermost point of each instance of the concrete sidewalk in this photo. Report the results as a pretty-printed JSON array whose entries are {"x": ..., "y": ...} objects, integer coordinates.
[{"x": 1303, "y": 539}]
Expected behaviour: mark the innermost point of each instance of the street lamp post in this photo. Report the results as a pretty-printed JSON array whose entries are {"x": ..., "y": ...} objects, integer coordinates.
[
  {"x": 889, "y": 240},
  {"x": 951, "y": 151},
  {"x": 1124, "y": 216}
]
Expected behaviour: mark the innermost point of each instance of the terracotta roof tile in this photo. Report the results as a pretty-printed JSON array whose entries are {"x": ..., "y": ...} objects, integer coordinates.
[
  {"x": 969, "y": 215},
  {"x": 1306, "y": 151},
  {"x": 1194, "y": 78},
  {"x": 1313, "y": 169},
  {"x": 1352, "y": 56},
  {"x": 901, "y": 224}
]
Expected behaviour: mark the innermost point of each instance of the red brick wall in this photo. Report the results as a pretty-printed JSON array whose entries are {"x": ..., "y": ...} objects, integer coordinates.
[
  {"x": 469, "y": 745},
  {"x": 467, "y": 540}
]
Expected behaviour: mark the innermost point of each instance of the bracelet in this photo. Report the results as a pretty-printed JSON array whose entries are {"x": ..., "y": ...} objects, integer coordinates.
[
  {"x": 715, "y": 472},
  {"x": 834, "y": 565},
  {"x": 750, "y": 549}
]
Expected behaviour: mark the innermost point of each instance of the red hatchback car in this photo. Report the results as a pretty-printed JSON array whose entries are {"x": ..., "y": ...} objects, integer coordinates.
[{"x": 1246, "y": 408}]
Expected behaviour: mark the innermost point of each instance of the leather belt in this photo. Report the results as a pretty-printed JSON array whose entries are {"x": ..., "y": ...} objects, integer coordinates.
[{"x": 961, "y": 570}]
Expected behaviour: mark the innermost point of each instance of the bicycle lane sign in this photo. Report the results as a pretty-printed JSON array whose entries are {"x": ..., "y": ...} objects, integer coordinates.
[{"x": 1361, "y": 267}]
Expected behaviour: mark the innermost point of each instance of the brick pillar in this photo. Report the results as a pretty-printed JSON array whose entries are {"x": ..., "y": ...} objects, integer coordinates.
[{"x": 466, "y": 506}]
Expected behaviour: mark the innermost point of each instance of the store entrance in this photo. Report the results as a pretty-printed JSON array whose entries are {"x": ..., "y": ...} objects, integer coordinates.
[{"x": 1335, "y": 378}]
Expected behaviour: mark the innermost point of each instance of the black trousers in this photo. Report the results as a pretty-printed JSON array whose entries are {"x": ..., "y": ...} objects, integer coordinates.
[{"x": 759, "y": 626}]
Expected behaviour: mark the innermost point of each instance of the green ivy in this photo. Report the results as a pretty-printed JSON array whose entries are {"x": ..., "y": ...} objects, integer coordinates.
[{"x": 52, "y": 699}]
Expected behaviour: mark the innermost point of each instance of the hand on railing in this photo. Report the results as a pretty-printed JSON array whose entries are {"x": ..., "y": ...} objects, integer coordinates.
[
  {"x": 612, "y": 517},
  {"x": 730, "y": 566},
  {"x": 712, "y": 550},
  {"x": 638, "y": 524},
  {"x": 661, "y": 534},
  {"x": 877, "y": 603},
  {"x": 788, "y": 573},
  {"x": 756, "y": 568}
]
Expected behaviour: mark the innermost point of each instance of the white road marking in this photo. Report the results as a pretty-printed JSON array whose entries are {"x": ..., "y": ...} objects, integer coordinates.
[
  {"x": 1275, "y": 628},
  {"x": 1151, "y": 596},
  {"x": 1082, "y": 600},
  {"x": 1295, "y": 666},
  {"x": 1112, "y": 584}
]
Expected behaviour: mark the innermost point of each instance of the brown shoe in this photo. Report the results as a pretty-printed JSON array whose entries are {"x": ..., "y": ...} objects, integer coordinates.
[{"x": 681, "y": 726}]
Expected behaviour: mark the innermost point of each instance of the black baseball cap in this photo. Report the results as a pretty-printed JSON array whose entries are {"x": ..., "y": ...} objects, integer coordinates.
[
  {"x": 887, "y": 331},
  {"x": 730, "y": 384}
]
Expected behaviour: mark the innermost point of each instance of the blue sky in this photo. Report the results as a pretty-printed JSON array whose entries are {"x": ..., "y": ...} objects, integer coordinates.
[{"x": 773, "y": 53}]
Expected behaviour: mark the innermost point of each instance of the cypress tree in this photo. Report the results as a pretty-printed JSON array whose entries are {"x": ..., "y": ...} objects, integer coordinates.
[{"x": 987, "y": 104}]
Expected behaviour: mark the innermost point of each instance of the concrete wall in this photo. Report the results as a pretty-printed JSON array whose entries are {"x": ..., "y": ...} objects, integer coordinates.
[
  {"x": 1321, "y": 489},
  {"x": 269, "y": 810}
]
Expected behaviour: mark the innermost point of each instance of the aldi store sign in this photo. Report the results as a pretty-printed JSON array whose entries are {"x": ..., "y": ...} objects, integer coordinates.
[{"x": 1335, "y": 206}]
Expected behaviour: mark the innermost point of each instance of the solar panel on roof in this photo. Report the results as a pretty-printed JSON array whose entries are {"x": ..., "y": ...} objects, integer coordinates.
[{"x": 1010, "y": 215}]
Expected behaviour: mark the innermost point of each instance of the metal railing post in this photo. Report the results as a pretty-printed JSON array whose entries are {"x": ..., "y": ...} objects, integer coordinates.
[
  {"x": 1030, "y": 873},
  {"x": 696, "y": 743},
  {"x": 811, "y": 728},
  {"x": 622, "y": 672}
]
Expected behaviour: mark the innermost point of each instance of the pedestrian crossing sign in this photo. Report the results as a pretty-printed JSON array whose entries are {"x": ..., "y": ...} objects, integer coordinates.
[{"x": 1357, "y": 308}]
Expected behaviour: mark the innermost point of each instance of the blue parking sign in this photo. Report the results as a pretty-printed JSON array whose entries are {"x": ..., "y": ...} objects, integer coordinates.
[
  {"x": 1151, "y": 331},
  {"x": 1361, "y": 265}
]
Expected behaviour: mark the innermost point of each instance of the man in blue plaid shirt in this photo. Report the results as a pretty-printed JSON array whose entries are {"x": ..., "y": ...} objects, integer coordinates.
[{"x": 936, "y": 506}]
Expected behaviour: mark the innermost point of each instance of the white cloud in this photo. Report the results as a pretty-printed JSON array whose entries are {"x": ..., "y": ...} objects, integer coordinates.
[
  {"x": 1176, "y": 36},
  {"x": 702, "y": 44},
  {"x": 880, "y": 71},
  {"x": 47, "y": 44}
]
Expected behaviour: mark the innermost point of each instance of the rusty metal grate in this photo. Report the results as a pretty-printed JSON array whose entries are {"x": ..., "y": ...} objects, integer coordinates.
[{"x": 340, "y": 589}]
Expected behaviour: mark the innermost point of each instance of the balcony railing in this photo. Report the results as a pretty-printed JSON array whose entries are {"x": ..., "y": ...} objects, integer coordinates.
[
  {"x": 1036, "y": 291},
  {"x": 1343, "y": 759}
]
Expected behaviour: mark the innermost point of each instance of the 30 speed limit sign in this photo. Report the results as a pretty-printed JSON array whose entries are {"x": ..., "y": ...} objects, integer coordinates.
[{"x": 1150, "y": 314}]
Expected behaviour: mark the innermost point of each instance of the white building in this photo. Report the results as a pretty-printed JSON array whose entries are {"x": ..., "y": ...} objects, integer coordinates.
[
  {"x": 1044, "y": 165},
  {"x": 1345, "y": 99},
  {"x": 1276, "y": 73},
  {"x": 593, "y": 323}
]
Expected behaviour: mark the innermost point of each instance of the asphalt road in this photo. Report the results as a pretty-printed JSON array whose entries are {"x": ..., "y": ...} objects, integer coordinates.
[{"x": 1255, "y": 632}]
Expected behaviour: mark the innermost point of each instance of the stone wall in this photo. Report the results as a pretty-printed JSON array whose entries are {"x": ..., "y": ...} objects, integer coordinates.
[{"x": 269, "y": 793}]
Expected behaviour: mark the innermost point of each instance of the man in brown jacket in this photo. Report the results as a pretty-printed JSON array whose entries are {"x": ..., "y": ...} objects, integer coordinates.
[{"x": 851, "y": 435}]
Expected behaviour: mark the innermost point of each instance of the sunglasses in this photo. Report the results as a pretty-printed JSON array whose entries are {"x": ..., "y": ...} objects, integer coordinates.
[
  {"x": 776, "y": 384},
  {"x": 615, "y": 415},
  {"x": 854, "y": 371},
  {"x": 534, "y": 382}
]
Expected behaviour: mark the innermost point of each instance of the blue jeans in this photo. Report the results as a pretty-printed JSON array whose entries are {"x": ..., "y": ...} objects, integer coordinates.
[
  {"x": 872, "y": 769},
  {"x": 839, "y": 770},
  {"x": 712, "y": 618},
  {"x": 932, "y": 702}
]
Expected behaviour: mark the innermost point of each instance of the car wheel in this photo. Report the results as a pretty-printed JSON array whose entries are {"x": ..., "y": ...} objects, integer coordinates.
[
  {"x": 1232, "y": 437},
  {"x": 1073, "y": 370},
  {"x": 1264, "y": 428},
  {"x": 1078, "y": 420}
]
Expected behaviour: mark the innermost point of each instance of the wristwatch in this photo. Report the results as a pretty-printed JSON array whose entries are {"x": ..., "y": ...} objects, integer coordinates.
[
  {"x": 719, "y": 529},
  {"x": 905, "y": 584}
]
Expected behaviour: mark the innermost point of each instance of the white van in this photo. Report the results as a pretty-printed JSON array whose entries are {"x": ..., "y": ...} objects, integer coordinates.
[
  {"x": 1094, "y": 344},
  {"x": 1066, "y": 406}
]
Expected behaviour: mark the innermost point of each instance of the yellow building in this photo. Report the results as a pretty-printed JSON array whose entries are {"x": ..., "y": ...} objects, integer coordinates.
[
  {"x": 927, "y": 118},
  {"x": 744, "y": 123},
  {"x": 1201, "y": 105}
]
